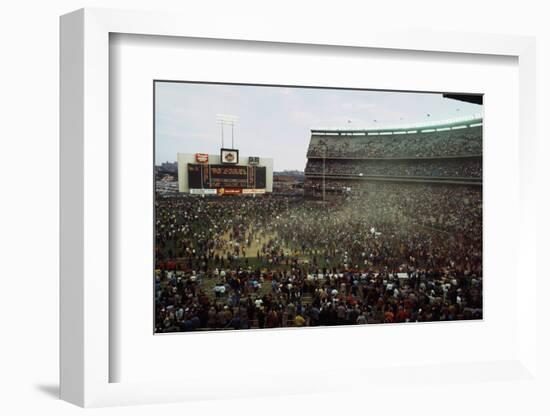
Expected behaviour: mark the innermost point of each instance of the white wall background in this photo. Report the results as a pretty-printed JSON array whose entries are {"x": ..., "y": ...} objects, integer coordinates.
[{"x": 29, "y": 205}]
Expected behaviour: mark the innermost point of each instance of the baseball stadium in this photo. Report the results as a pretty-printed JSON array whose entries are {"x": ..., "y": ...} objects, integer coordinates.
[{"x": 381, "y": 225}]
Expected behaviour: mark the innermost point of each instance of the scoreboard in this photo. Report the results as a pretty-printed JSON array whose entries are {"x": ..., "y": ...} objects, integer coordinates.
[{"x": 206, "y": 176}]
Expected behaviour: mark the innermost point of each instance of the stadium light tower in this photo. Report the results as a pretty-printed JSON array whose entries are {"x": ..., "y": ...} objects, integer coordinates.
[
  {"x": 324, "y": 146},
  {"x": 227, "y": 120}
]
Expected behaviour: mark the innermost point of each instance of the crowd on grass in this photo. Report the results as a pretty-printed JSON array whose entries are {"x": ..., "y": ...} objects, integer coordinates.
[{"x": 384, "y": 253}]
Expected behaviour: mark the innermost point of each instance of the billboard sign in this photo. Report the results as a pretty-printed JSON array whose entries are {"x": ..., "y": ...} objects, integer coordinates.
[
  {"x": 230, "y": 191},
  {"x": 205, "y": 191},
  {"x": 229, "y": 156},
  {"x": 201, "y": 157},
  {"x": 253, "y": 191}
]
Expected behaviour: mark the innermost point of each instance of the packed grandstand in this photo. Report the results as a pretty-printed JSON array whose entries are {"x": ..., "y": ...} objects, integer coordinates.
[{"x": 387, "y": 227}]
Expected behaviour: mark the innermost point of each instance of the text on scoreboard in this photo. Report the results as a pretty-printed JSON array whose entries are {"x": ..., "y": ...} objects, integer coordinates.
[{"x": 224, "y": 176}]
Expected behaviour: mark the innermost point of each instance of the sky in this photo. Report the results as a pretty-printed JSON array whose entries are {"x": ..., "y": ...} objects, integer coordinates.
[{"x": 276, "y": 121}]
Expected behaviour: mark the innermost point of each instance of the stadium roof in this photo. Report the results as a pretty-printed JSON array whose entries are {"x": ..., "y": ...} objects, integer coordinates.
[
  {"x": 469, "y": 98},
  {"x": 441, "y": 125}
]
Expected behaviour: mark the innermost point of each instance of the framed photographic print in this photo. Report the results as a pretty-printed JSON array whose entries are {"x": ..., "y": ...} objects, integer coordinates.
[
  {"x": 346, "y": 194},
  {"x": 376, "y": 221}
]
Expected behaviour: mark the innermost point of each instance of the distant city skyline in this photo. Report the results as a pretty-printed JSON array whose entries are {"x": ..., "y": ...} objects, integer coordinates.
[{"x": 276, "y": 121}]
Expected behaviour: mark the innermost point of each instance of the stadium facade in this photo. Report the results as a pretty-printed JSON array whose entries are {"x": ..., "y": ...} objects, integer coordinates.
[{"x": 342, "y": 161}]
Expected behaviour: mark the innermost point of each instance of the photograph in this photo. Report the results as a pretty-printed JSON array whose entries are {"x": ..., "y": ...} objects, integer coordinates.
[{"x": 281, "y": 206}]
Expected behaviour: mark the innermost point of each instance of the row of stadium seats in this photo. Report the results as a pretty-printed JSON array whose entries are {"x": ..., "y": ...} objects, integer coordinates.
[
  {"x": 447, "y": 143},
  {"x": 457, "y": 168}
]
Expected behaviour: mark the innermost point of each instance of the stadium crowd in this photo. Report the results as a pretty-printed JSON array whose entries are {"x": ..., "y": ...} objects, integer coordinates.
[
  {"x": 448, "y": 143},
  {"x": 383, "y": 253},
  {"x": 459, "y": 168}
]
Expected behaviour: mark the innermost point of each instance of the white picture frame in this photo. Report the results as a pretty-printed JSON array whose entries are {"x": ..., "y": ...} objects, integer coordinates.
[{"x": 85, "y": 355}]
